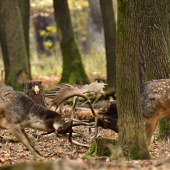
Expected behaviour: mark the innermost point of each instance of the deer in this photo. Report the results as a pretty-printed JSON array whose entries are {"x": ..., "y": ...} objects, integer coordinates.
[
  {"x": 155, "y": 102},
  {"x": 18, "y": 111}
]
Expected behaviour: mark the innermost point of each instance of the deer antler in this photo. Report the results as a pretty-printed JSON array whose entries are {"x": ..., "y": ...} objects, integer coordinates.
[
  {"x": 93, "y": 87},
  {"x": 66, "y": 91}
]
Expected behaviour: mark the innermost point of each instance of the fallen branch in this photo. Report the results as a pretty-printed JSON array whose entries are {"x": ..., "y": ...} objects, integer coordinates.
[{"x": 8, "y": 138}]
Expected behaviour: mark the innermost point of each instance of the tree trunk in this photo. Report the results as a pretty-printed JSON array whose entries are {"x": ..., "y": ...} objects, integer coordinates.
[
  {"x": 110, "y": 41},
  {"x": 25, "y": 14},
  {"x": 40, "y": 24},
  {"x": 155, "y": 34},
  {"x": 132, "y": 137},
  {"x": 15, "y": 46},
  {"x": 73, "y": 69},
  {"x": 96, "y": 14},
  {"x": 4, "y": 47}
]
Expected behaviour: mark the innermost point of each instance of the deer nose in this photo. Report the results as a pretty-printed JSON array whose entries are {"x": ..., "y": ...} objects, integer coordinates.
[{"x": 60, "y": 128}]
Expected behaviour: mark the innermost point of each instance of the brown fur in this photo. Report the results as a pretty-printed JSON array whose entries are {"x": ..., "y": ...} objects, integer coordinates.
[
  {"x": 155, "y": 101},
  {"x": 18, "y": 111}
]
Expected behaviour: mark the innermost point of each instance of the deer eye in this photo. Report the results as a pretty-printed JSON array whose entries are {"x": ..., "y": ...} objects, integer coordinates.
[
  {"x": 66, "y": 119},
  {"x": 104, "y": 117}
]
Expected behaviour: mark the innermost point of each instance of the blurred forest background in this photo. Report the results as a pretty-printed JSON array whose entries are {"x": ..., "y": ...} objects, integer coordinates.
[{"x": 44, "y": 47}]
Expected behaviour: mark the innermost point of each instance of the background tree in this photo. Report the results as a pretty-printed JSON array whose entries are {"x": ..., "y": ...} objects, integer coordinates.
[
  {"x": 94, "y": 29},
  {"x": 110, "y": 41},
  {"x": 131, "y": 127},
  {"x": 73, "y": 69},
  {"x": 41, "y": 21},
  {"x": 155, "y": 38},
  {"x": 25, "y": 15},
  {"x": 4, "y": 47},
  {"x": 13, "y": 44},
  {"x": 96, "y": 14}
]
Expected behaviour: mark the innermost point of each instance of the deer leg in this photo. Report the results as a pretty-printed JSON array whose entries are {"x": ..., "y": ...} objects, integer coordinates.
[
  {"x": 31, "y": 143},
  {"x": 16, "y": 131},
  {"x": 150, "y": 128}
]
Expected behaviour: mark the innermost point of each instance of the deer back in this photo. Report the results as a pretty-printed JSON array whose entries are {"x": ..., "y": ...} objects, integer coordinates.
[
  {"x": 17, "y": 107},
  {"x": 155, "y": 97}
]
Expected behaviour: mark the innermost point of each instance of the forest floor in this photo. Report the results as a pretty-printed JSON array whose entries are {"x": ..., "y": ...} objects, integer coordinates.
[
  {"x": 54, "y": 148},
  {"x": 58, "y": 148}
]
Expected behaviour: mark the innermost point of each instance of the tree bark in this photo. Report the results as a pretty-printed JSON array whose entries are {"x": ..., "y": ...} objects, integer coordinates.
[
  {"x": 96, "y": 14},
  {"x": 132, "y": 137},
  {"x": 25, "y": 14},
  {"x": 110, "y": 41},
  {"x": 155, "y": 38},
  {"x": 15, "y": 46},
  {"x": 4, "y": 47},
  {"x": 73, "y": 69}
]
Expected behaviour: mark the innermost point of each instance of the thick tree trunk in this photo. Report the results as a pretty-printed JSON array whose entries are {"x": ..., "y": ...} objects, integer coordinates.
[
  {"x": 155, "y": 38},
  {"x": 110, "y": 41},
  {"x": 73, "y": 69},
  {"x": 19, "y": 71},
  {"x": 132, "y": 137}
]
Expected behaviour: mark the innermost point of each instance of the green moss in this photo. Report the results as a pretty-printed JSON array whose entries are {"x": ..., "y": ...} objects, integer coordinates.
[
  {"x": 148, "y": 76},
  {"x": 99, "y": 147},
  {"x": 164, "y": 129},
  {"x": 9, "y": 80},
  {"x": 121, "y": 15},
  {"x": 18, "y": 88},
  {"x": 135, "y": 155},
  {"x": 90, "y": 118},
  {"x": 73, "y": 69}
]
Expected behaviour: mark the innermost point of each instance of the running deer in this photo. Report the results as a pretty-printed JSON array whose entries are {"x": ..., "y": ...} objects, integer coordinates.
[{"x": 18, "y": 111}]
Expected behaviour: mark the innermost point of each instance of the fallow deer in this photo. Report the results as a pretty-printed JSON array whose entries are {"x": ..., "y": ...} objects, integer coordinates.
[
  {"x": 155, "y": 102},
  {"x": 18, "y": 111}
]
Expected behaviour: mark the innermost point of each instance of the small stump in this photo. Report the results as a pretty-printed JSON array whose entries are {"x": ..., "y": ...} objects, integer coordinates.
[
  {"x": 34, "y": 90},
  {"x": 100, "y": 147}
]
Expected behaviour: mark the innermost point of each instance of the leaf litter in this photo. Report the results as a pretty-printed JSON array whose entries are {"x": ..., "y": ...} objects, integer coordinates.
[{"x": 54, "y": 148}]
